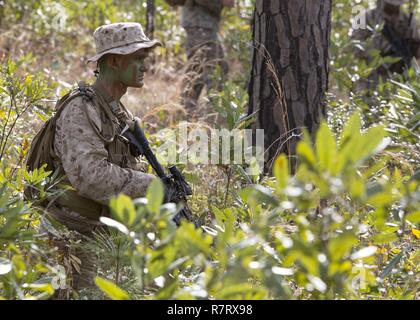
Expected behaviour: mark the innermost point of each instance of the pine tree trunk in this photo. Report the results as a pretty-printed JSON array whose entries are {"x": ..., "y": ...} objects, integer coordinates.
[{"x": 289, "y": 75}]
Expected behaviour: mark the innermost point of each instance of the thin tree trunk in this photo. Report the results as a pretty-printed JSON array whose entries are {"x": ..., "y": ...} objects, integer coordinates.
[
  {"x": 150, "y": 18},
  {"x": 289, "y": 75},
  {"x": 1, "y": 14}
]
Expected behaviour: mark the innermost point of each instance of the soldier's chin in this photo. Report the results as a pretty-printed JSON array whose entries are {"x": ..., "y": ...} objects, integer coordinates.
[{"x": 138, "y": 84}]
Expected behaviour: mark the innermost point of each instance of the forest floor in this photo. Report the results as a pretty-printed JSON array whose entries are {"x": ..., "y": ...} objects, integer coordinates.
[{"x": 61, "y": 59}]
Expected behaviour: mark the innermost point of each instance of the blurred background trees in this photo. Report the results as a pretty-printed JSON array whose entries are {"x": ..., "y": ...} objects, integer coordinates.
[{"x": 267, "y": 237}]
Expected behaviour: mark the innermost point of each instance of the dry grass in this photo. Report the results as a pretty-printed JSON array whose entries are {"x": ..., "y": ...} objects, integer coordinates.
[{"x": 157, "y": 103}]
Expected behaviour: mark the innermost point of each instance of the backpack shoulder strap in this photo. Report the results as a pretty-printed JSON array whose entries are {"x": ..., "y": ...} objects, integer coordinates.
[{"x": 42, "y": 147}]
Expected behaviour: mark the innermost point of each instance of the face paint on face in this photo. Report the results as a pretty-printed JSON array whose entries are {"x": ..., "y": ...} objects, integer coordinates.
[{"x": 133, "y": 67}]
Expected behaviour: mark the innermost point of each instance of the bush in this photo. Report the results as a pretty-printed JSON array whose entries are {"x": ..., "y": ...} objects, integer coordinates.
[{"x": 335, "y": 230}]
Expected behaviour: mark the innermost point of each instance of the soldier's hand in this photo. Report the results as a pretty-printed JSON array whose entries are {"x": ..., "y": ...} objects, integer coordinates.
[
  {"x": 228, "y": 3},
  {"x": 170, "y": 191}
]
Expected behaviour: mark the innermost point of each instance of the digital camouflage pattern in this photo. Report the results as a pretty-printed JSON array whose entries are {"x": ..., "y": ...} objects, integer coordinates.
[
  {"x": 86, "y": 160},
  {"x": 205, "y": 52},
  {"x": 402, "y": 25},
  {"x": 201, "y": 14},
  {"x": 201, "y": 20},
  {"x": 405, "y": 27},
  {"x": 121, "y": 38},
  {"x": 83, "y": 143},
  {"x": 97, "y": 171}
]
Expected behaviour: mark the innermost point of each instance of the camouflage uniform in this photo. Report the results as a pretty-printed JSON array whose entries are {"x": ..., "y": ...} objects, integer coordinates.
[
  {"x": 404, "y": 26},
  {"x": 201, "y": 20},
  {"x": 88, "y": 150}
]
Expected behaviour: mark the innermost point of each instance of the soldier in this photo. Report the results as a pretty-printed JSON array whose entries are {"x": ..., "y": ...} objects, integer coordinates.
[
  {"x": 83, "y": 140},
  {"x": 201, "y": 21},
  {"x": 398, "y": 38}
]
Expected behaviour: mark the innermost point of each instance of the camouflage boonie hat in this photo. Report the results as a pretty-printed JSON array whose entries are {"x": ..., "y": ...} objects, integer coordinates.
[{"x": 121, "y": 38}]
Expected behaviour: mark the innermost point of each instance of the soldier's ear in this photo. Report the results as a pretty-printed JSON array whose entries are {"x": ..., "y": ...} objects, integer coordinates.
[{"x": 113, "y": 61}]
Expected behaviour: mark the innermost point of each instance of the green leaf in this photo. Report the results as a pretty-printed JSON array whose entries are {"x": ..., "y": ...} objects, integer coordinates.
[
  {"x": 28, "y": 80},
  {"x": 168, "y": 290},
  {"x": 123, "y": 208},
  {"x": 352, "y": 129},
  {"x": 305, "y": 150},
  {"x": 236, "y": 291},
  {"x": 326, "y": 148},
  {"x": 281, "y": 172},
  {"x": 155, "y": 195},
  {"x": 5, "y": 266},
  {"x": 191, "y": 240},
  {"x": 356, "y": 147},
  {"x": 219, "y": 215},
  {"x": 318, "y": 283},
  {"x": 413, "y": 217},
  {"x": 341, "y": 246},
  {"x": 357, "y": 187},
  {"x": 393, "y": 263},
  {"x": 349, "y": 140},
  {"x": 114, "y": 224},
  {"x": 385, "y": 238},
  {"x": 381, "y": 199},
  {"x": 42, "y": 287},
  {"x": 111, "y": 289},
  {"x": 258, "y": 194},
  {"x": 364, "y": 253},
  {"x": 243, "y": 174},
  {"x": 366, "y": 145}
]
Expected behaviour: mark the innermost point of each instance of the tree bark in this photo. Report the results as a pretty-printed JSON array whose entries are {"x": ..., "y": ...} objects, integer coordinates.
[
  {"x": 150, "y": 18},
  {"x": 289, "y": 76}
]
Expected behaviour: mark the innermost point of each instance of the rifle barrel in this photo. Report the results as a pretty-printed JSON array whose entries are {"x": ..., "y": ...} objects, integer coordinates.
[{"x": 148, "y": 153}]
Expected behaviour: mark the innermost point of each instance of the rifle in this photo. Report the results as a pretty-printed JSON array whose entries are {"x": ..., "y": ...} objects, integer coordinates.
[{"x": 174, "y": 182}]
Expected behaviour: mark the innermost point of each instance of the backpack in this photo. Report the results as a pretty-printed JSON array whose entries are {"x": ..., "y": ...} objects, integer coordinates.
[
  {"x": 42, "y": 153},
  {"x": 41, "y": 150}
]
